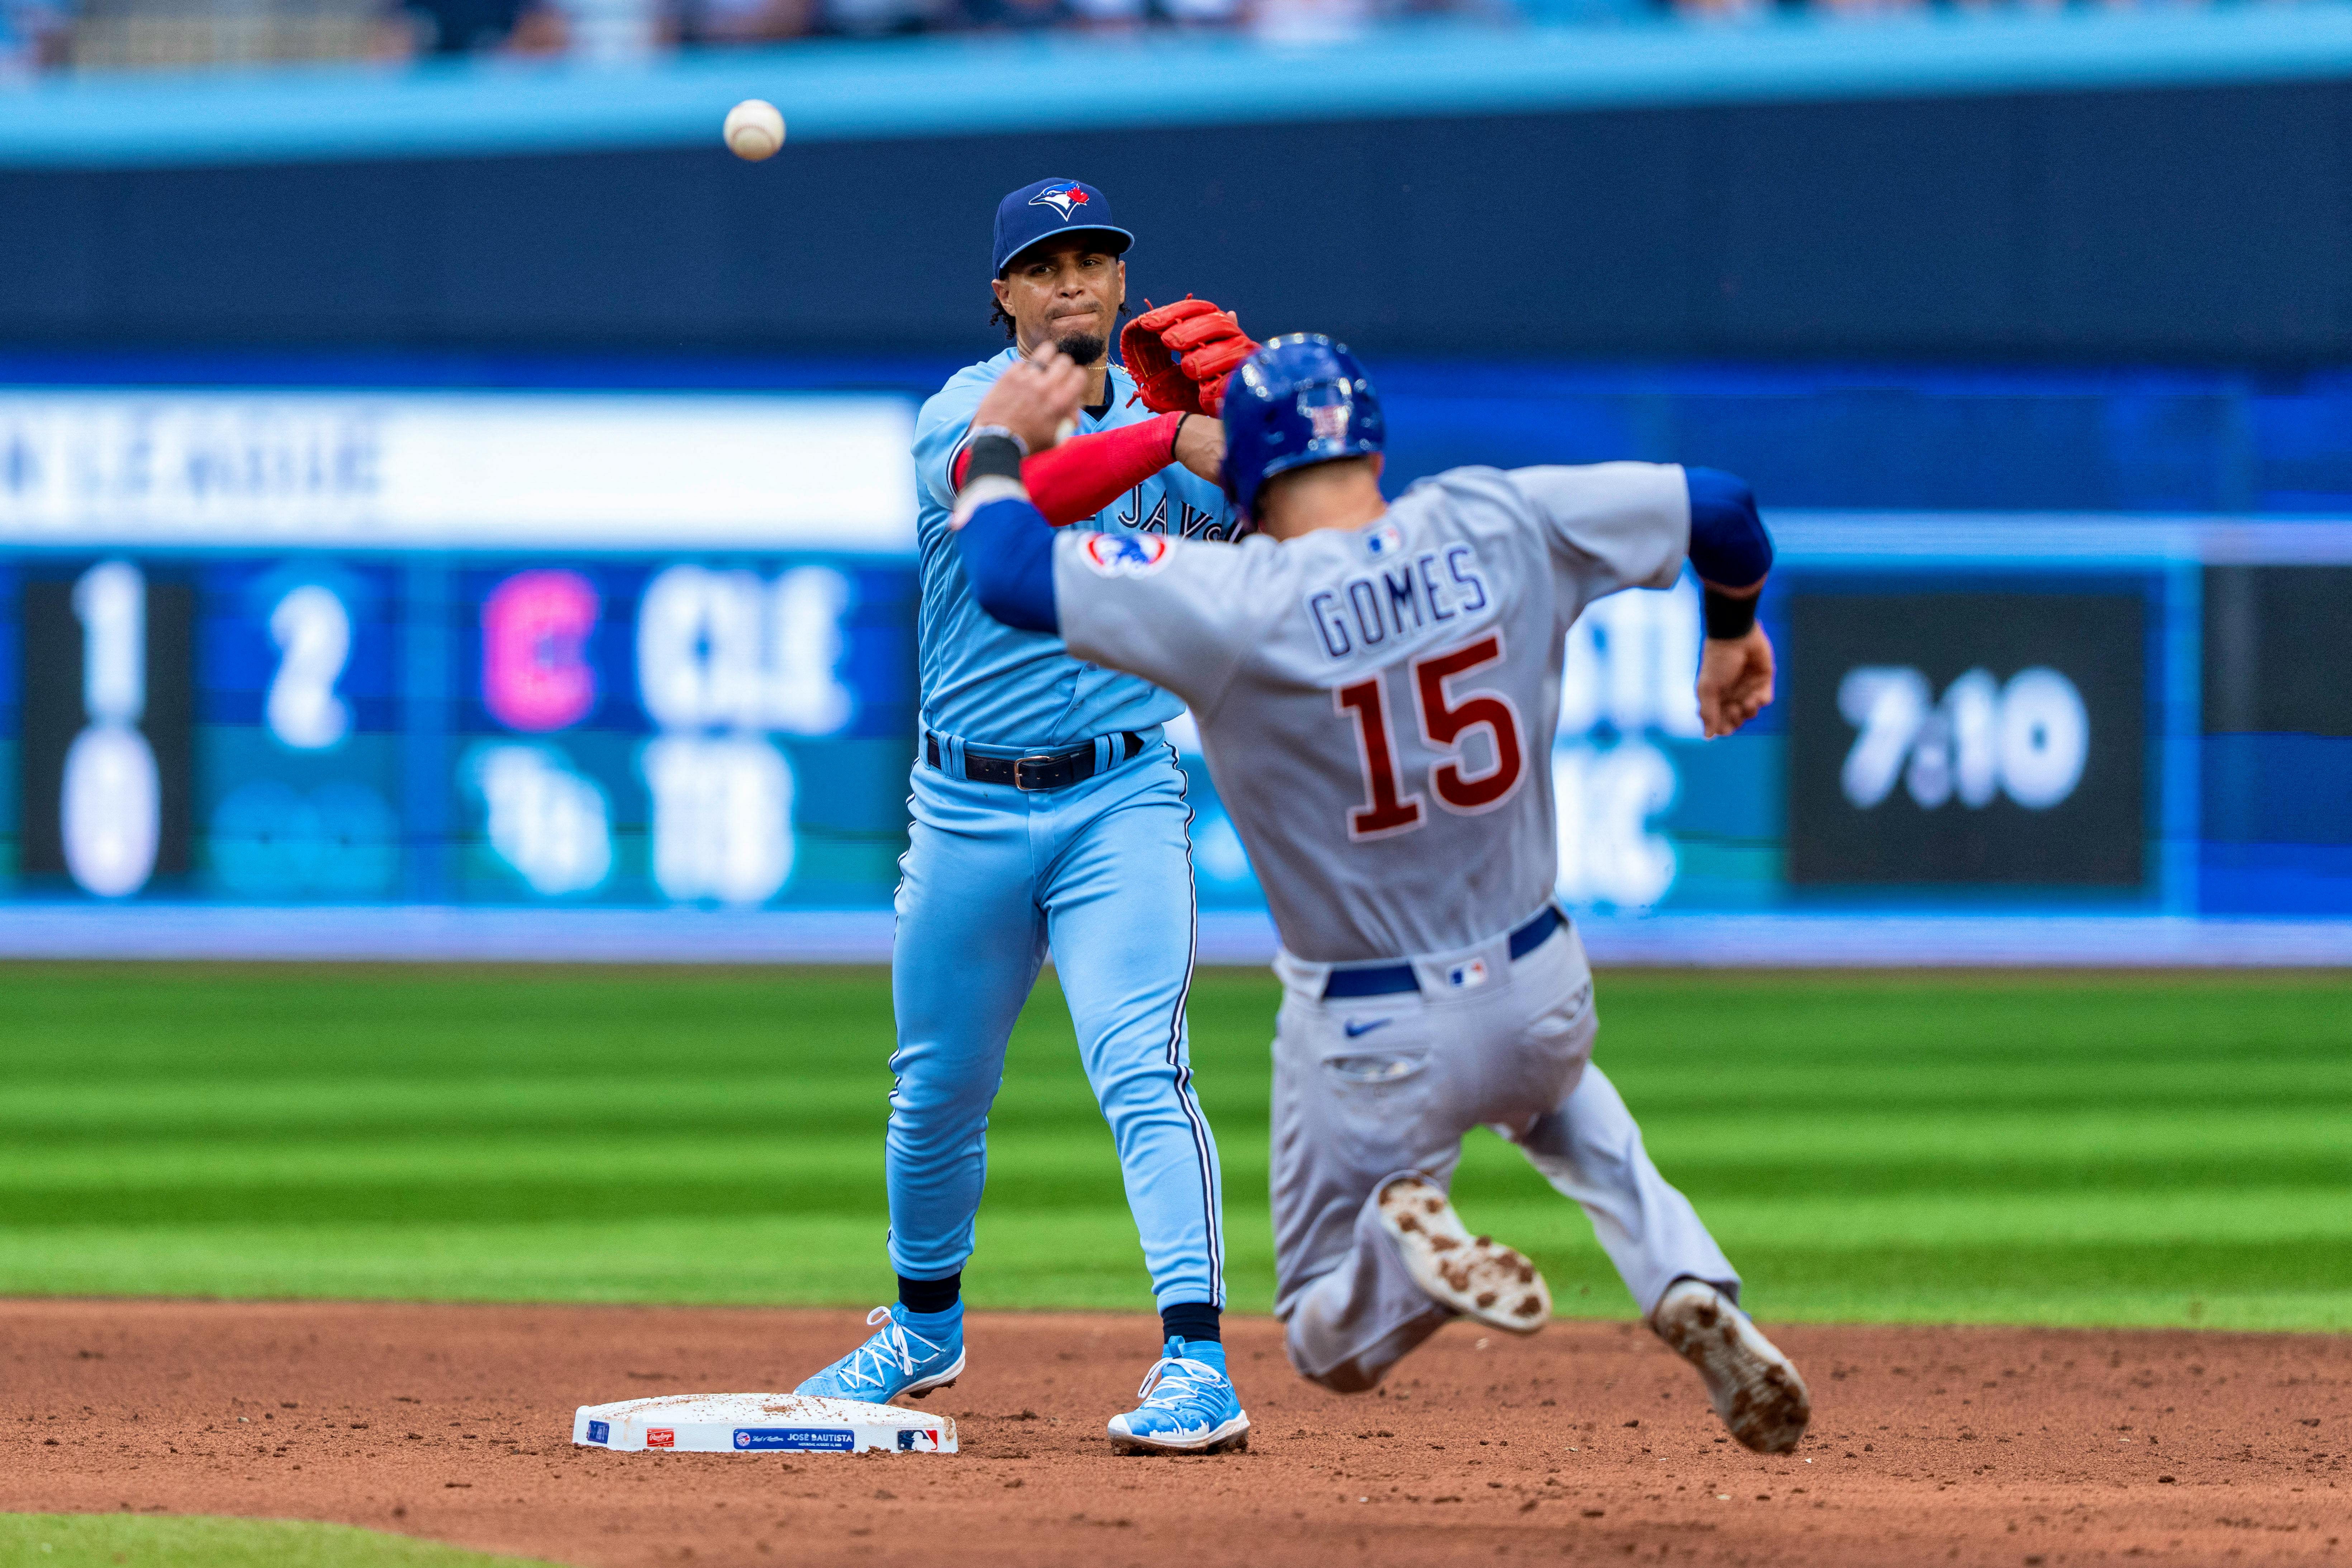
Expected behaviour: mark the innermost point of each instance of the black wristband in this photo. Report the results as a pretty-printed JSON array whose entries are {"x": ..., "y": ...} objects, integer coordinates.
[
  {"x": 1730, "y": 616},
  {"x": 994, "y": 455},
  {"x": 1176, "y": 435}
]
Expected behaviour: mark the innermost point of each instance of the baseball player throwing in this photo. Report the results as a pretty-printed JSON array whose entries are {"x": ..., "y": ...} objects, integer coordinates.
[
  {"x": 1049, "y": 813},
  {"x": 1375, "y": 685}
]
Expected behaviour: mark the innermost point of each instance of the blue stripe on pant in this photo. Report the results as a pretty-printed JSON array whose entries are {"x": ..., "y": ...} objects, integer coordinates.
[{"x": 1102, "y": 874}]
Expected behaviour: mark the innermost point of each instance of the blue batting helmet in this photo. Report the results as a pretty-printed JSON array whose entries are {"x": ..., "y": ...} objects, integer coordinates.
[{"x": 1300, "y": 399}]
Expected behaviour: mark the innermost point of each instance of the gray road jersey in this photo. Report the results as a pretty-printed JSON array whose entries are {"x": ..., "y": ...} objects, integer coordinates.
[{"x": 1378, "y": 706}]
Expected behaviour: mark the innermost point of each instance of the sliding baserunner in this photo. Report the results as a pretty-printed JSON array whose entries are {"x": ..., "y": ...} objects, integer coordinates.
[{"x": 1375, "y": 686}]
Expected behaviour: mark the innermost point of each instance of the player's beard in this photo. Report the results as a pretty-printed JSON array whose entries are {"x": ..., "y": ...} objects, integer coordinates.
[{"x": 1084, "y": 348}]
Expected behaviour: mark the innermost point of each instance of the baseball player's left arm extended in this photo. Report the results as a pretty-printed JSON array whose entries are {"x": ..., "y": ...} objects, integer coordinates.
[
  {"x": 1732, "y": 553},
  {"x": 1632, "y": 525},
  {"x": 1180, "y": 612}
]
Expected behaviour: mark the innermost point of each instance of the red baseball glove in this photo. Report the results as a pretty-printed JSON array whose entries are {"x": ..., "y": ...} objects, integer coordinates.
[{"x": 1180, "y": 355}]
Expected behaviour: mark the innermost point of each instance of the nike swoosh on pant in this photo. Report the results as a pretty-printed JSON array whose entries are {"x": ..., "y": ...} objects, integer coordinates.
[{"x": 1355, "y": 1030}]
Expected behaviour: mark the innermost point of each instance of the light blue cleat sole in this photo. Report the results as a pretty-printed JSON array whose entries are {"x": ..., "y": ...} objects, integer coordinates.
[{"x": 1232, "y": 1438}]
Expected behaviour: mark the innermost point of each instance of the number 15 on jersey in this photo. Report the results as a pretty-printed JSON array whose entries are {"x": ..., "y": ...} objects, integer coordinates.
[{"x": 1450, "y": 713}]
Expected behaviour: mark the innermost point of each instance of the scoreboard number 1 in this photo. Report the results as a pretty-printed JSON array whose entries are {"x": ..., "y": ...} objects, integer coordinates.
[{"x": 106, "y": 736}]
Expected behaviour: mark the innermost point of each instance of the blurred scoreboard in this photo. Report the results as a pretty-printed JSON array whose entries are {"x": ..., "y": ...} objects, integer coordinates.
[
  {"x": 455, "y": 649},
  {"x": 383, "y": 655}
]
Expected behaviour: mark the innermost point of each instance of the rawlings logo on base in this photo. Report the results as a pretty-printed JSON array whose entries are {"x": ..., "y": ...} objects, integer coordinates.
[
  {"x": 1126, "y": 554},
  {"x": 660, "y": 1437}
]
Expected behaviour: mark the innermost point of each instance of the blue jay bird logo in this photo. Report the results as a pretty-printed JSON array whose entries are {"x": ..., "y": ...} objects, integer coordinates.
[{"x": 1065, "y": 201}]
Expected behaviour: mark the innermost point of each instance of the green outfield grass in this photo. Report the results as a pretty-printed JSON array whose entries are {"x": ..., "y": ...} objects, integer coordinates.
[
  {"x": 2022, "y": 1148},
  {"x": 105, "y": 1540}
]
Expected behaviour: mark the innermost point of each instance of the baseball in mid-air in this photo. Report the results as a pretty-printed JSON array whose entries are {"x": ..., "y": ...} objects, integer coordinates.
[{"x": 754, "y": 129}]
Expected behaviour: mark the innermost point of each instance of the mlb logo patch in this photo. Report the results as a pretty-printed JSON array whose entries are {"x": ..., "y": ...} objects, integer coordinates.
[
  {"x": 1126, "y": 554},
  {"x": 1463, "y": 976},
  {"x": 1385, "y": 540},
  {"x": 661, "y": 1437}
]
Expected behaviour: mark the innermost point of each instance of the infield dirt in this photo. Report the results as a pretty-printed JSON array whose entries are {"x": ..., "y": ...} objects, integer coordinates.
[{"x": 1588, "y": 1442}]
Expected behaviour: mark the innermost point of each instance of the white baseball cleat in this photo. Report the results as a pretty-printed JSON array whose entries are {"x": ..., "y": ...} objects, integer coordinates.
[
  {"x": 1478, "y": 1277},
  {"x": 1752, "y": 1385}
]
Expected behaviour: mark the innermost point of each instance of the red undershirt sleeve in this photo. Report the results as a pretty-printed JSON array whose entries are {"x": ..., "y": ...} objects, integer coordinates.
[{"x": 1087, "y": 473}]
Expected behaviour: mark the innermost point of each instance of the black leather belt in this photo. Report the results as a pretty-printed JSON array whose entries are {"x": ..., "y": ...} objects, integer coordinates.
[
  {"x": 1038, "y": 771},
  {"x": 1393, "y": 979}
]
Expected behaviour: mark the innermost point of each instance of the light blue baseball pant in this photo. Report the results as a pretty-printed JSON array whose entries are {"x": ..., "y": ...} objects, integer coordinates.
[{"x": 1101, "y": 874}]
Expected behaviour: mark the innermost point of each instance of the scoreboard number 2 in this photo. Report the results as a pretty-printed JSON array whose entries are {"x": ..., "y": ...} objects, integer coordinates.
[{"x": 313, "y": 634}]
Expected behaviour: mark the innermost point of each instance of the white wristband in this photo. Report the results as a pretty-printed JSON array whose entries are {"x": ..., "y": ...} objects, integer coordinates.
[{"x": 980, "y": 491}]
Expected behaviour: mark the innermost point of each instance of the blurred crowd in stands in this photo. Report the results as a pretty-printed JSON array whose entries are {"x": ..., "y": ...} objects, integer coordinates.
[{"x": 38, "y": 35}]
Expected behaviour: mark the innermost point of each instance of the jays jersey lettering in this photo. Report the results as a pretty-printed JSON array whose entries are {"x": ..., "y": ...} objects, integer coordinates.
[
  {"x": 983, "y": 680},
  {"x": 1378, "y": 705}
]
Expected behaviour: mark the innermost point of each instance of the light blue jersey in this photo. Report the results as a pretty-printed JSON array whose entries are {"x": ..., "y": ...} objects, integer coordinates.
[{"x": 982, "y": 679}]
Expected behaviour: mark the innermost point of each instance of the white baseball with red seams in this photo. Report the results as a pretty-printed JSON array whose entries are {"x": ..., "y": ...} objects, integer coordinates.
[
  {"x": 760, "y": 1424},
  {"x": 754, "y": 129}
]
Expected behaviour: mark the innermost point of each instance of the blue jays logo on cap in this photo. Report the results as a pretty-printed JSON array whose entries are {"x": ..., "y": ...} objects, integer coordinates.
[
  {"x": 1127, "y": 554},
  {"x": 1048, "y": 209},
  {"x": 1065, "y": 201}
]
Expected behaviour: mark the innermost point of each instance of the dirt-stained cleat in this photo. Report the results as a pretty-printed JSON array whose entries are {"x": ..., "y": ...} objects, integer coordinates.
[
  {"x": 1753, "y": 1386},
  {"x": 1188, "y": 1406},
  {"x": 1475, "y": 1274}
]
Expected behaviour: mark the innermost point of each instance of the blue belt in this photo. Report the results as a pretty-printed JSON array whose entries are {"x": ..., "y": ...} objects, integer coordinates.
[{"x": 1394, "y": 979}]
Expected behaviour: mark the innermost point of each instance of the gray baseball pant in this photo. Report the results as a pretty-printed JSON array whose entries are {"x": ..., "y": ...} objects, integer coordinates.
[{"x": 1370, "y": 1088}]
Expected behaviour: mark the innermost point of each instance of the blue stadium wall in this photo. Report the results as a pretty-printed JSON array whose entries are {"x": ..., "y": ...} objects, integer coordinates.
[{"x": 2079, "y": 194}]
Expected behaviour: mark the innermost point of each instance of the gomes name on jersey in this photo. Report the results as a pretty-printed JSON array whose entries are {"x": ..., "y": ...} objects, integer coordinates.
[{"x": 1430, "y": 589}]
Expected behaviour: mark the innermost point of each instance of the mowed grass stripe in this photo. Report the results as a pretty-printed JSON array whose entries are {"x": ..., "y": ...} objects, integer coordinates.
[
  {"x": 825, "y": 1094},
  {"x": 545, "y": 1176},
  {"x": 102, "y": 1541},
  {"x": 2024, "y": 1147}
]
